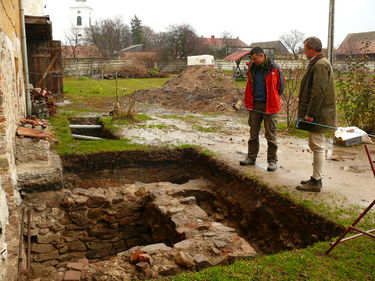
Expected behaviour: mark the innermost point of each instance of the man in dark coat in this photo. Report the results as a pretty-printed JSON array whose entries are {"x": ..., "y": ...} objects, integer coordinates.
[
  {"x": 265, "y": 84},
  {"x": 317, "y": 104}
]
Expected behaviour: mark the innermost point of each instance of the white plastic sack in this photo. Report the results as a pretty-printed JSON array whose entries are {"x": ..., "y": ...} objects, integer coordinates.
[{"x": 346, "y": 133}]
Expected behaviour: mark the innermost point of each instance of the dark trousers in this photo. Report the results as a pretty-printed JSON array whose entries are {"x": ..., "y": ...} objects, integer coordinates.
[{"x": 270, "y": 127}]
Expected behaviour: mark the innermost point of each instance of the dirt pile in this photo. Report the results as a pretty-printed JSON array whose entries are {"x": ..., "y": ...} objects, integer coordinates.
[{"x": 197, "y": 89}]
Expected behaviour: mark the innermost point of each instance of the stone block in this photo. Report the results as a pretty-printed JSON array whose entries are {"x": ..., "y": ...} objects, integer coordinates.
[
  {"x": 64, "y": 249},
  {"x": 124, "y": 213},
  {"x": 80, "y": 200},
  {"x": 57, "y": 214},
  {"x": 46, "y": 256},
  {"x": 75, "y": 266},
  {"x": 134, "y": 242},
  {"x": 96, "y": 202},
  {"x": 188, "y": 200},
  {"x": 101, "y": 231},
  {"x": 76, "y": 246},
  {"x": 98, "y": 245},
  {"x": 4, "y": 163},
  {"x": 42, "y": 248},
  {"x": 184, "y": 244},
  {"x": 125, "y": 220},
  {"x": 201, "y": 261},
  {"x": 120, "y": 245},
  {"x": 79, "y": 217},
  {"x": 72, "y": 275},
  {"x": 49, "y": 238},
  {"x": 95, "y": 213},
  {"x": 57, "y": 227},
  {"x": 84, "y": 261},
  {"x": 184, "y": 259},
  {"x": 100, "y": 253},
  {"x": 71, "y": 256},
  {"x": 155, "y": 248}
]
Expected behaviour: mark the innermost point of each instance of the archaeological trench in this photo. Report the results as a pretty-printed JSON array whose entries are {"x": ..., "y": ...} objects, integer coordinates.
[{"x": 137, "y": 215}]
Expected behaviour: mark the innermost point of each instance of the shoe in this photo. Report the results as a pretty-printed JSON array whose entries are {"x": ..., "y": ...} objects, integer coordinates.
[
  {"x": 311, "y": 185},
  {"x": 272, "y": 166},
  {"x": 306, "y": 181},
  {"x": 247, "y": 161}
]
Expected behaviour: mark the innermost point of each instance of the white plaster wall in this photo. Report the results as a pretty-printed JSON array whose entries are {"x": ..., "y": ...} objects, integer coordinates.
[
  {"x": 33, "y": 7},
  {"x": 83, "y": 10}
]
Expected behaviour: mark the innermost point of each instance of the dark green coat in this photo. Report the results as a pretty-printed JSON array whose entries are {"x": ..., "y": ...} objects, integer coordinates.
[{"x": 317, "y": 96}]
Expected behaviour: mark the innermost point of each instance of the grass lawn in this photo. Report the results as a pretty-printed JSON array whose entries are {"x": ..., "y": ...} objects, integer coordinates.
[
  {"x": 351, "y": 261},
  {"x": 87, "y": 88},
  {"x": 90, "y": 95}
]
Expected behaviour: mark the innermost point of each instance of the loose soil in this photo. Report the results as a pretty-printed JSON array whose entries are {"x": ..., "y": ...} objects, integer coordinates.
[{"x": 197, "y": 89}]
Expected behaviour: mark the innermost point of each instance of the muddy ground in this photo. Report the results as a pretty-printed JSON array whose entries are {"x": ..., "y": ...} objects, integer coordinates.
[{"x": 348, "y": 177}]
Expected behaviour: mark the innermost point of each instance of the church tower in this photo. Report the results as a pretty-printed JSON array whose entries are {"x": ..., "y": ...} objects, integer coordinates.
[{"x": 80, "y": 17}]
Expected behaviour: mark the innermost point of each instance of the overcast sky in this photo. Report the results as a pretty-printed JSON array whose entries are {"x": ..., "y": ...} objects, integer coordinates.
[{"x": 250, "y": 20}]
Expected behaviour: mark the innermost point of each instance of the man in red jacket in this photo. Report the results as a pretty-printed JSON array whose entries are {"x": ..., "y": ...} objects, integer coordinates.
[{"x": 265, "y": 84}]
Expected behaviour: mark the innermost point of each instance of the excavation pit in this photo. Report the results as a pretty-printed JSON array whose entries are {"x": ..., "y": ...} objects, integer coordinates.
[
  {"x": 156, "y": 213},
  {"x": 81, "y": 127}
]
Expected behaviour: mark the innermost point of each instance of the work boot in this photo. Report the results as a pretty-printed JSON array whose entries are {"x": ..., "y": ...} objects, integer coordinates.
[
  {"x": 272, "y": 166},
  {"x": 305, "y": 181},
  {"x": 247, "y": 161},
  {"x": 312, "y": 185}
]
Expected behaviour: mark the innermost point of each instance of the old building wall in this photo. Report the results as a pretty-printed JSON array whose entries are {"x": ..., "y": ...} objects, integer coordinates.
[
  {"x": 33, "y": 7},
  {"x": 12, "y": 108}
]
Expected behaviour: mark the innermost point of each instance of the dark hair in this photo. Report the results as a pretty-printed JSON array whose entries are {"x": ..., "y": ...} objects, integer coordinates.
[
  {"x": 257, "y": 51},
  {"x": 314, "y": 43}
]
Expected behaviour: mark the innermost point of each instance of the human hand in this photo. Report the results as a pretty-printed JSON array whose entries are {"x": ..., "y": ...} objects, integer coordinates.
[{"x": 308, "y": 118}]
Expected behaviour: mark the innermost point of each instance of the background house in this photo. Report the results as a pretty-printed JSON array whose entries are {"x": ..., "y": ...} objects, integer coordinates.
[
  {"x": 272, "y": 48},
  {"x": 228, "y": 45},
  {"x": 357, "y": 44}
]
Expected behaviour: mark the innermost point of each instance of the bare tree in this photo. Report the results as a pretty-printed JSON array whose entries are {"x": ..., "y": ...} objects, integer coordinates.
[
  {"x": 73, "y": 41},
  {"x": 150, "y": 38},
  {"x": 227, "y": 38},
  {"x": 293, "y": 41},
  {"x": 181, "y": 41},
  {"x": 290, "y": 95},
  {"x": 109, "y": 35}
]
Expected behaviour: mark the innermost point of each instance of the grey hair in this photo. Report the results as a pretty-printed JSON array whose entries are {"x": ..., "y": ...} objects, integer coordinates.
[{"x": 314, "y": 43}]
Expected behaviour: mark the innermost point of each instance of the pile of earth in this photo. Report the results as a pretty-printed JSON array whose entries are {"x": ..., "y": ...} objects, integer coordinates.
[{"x": 197, "y": 89}]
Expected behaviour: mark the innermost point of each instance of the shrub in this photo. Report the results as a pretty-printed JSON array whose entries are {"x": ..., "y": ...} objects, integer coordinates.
[
  {"x": 290, "y": 96},
  {"x": 356, "y": 96}
]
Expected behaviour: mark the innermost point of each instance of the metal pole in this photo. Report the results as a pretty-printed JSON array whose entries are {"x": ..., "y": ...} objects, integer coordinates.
[
  {"x": 28, "y": 263},
  {"x": 83, "y": 137},
  {"x": 77, "y": 126},
  {"x": 370, "y": 159},
  {"x": 25, "y": 60},
  {"x": 349, "y": 228},
  {"x": 20, "y": 258},
  {"x": 331, "y": 23}
]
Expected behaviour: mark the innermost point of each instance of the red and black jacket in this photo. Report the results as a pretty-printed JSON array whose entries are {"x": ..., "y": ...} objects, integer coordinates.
[{"x": 275, "y": 82}]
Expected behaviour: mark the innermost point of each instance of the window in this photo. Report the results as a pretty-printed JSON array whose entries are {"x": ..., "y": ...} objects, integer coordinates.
[{"x": 79, "y": 21}]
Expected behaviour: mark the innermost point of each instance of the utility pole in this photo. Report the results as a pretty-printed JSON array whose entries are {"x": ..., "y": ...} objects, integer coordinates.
[{"x": 331, "y": 29}]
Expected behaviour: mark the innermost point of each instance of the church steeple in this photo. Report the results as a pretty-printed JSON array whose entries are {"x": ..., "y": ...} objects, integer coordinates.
[{"x": 80, "y": 17}]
